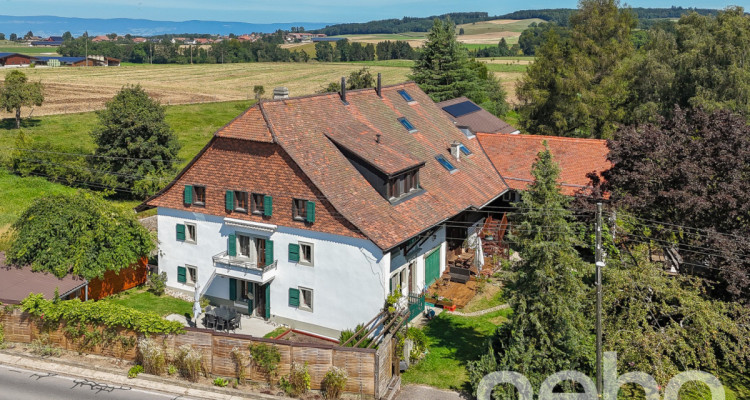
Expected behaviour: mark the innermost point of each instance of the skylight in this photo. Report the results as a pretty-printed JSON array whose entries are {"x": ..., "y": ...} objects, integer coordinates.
[
  {"x": 465, "y": 150},
  {"x": 445, "y": 163},
  {"x": 405, "y": 122},
  {"x": 405, "y": 95}
]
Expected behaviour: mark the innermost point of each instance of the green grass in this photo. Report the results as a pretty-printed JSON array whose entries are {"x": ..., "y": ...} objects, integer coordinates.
[
  {"x": 453, "y": 341},
  {"x": 141, "y": 300},
  {"x": 386, "y": 63},
  {"x": 506, "y": 67},
  {"x": 6, "y": 46},
  {"x": 478, "y": 28},
  {"x": 276, "y": 332}
]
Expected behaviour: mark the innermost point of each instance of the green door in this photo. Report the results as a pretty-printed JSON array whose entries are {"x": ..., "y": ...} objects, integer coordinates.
[{"x": 432, "y": 267}]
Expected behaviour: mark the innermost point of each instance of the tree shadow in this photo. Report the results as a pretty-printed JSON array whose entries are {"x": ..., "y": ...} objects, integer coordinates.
[{"x": 10, "y": 123}]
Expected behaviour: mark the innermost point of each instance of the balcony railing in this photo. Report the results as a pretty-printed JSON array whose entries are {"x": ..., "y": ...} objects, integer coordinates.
[{"x": 241, "y": 262}]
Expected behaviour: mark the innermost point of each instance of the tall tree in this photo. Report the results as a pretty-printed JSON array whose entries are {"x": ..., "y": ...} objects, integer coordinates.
[
  {"x": 691, "y": 170},
  {"x": 2, "y": 36},
  {"x": 134, "y": 142},
  {"x": 67, "y": 36},
  {"x": 17, "y": 92},
  {"x": 548, "y": 330},
  {"x": 324, "y": 51},
  {"x": 79, "y": 234},
  {"x": 13, "y": 37}
]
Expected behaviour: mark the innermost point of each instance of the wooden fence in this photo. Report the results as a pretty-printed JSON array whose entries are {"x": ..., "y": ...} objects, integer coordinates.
[{"x": 370, "y": 371}]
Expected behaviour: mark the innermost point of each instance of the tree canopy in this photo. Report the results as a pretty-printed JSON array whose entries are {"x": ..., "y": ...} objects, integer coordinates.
[
  {"x": 134, "y": 144},
  {"x": 17, "y": 92},
  {"x": 79, "y": 234}
]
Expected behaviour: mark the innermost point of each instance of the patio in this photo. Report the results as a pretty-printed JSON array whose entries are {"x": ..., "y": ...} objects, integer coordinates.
[{"x": 248, "y": 325}]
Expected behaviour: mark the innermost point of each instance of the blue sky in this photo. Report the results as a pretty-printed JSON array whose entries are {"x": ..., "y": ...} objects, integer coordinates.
[{"x": 265, "y": 11}]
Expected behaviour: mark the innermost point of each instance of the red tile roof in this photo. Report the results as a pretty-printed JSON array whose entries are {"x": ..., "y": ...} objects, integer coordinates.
[
  {"x": 305, "y": 129},
  {"x": 477, "y": 121},
  {"x": 513, "y": 156}
]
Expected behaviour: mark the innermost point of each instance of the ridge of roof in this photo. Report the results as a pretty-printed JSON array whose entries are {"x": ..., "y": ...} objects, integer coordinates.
[
  {"x": 336, "y": 94},
  {"x": 545, "y": 137}
]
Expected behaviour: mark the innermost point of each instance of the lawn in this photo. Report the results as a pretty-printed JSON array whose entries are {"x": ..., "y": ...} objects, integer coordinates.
[
  {"x": 453, "y": 341},
  {"x": 142, "y": 300},
  {"x": 6, "y": 46}
]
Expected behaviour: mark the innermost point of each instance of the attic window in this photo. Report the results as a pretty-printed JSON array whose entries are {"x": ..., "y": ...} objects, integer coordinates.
[
  {"x": 445, "y": 163},
  {"x": 405, "y": 95},
  {"x": 465, "y": 150},
  {"x": 403, "y": 184},
  {"x": 409, "y": 127}
]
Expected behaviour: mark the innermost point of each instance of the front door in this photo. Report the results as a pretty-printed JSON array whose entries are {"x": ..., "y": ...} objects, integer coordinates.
[
  {"x": 262, "y": 299},
  {"x": 431, "y": 268}
]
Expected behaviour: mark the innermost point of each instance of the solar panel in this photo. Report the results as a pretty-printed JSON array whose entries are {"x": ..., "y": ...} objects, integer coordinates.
[
  {"x": 445, "y": 163},
  {"x": 457, "y": 110},
  {"x": 405, "y": 95},
  {"x": 405, "y": 122}
]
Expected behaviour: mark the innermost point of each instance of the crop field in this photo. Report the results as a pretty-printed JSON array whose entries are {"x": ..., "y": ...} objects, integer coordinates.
[
  {"x": 6, "y": 46},
  {"x": 72, "y": 90}
]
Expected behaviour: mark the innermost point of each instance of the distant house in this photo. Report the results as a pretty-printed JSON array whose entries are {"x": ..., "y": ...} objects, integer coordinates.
[
  {"x": 247, "y": 38},
  {"x": 15, "y": 60},
  {"x": 92, "y": 61},
  {"x": 139, "y": 40},
  {"x": 471, "y": 118},
  {"x": 303, "y": 36},
  {"x": 52, "y": 41},
  {"x": 101, "y": 38},
  {"x": 203, "y": 41},
  {"x": 513, "y": 156}
]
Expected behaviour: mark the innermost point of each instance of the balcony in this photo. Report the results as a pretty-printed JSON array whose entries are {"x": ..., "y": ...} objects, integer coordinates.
[{"x": 244, "y": 269}]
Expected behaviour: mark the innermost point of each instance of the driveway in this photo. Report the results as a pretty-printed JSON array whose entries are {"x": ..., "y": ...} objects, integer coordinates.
[{"x": 414, "y": 392}]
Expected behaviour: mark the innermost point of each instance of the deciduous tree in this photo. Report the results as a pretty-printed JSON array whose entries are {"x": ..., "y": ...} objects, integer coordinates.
[{"x": 17, "y": 92}]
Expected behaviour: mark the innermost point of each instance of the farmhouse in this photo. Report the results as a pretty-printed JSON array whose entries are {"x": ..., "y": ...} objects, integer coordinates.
[
  {"x": 513, "y": 156},
  {"x": 91, "y": 61},
  {"x": 15, "y": 60},
  {"x": 52, "y": 41},
  {"x": 310, "y": 211},
  {"x": 471, "y": 118}
]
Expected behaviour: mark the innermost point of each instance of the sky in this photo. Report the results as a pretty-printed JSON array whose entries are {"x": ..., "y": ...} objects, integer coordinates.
[{"x": 265, "y": 11}]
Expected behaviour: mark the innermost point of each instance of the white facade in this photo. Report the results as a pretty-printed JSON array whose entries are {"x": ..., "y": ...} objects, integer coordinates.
[{"x": 349, "y": 277}]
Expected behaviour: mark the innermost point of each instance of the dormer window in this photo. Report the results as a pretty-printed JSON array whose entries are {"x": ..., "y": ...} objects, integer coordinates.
[
  {"x": 405, "y": 95},
  {"x": 409, "y": 127},
  {"x": 403, "y": 184}
]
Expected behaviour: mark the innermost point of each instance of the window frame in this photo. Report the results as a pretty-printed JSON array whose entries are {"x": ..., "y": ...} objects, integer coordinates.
[
  {"x": 302, "y": 261},
  {"x": 250, "y": 245},
  {"x": 406, "y": 96},
  {"x": 191, "y": 275},
  {"x": 445, "y": 163},
  {"x": 237, "y": 195},
  {"x": 302, "y": 305},
  {"x": 196, "y": 198},
  {"x": 299, "y": 211},
  {"x": 407, "y": 125},
  {"x": 188, "y": 238},
  {"x": 257, "y": 208}
]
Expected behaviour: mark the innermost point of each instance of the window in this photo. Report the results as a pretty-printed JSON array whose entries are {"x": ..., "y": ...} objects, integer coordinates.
[
  {"x": 306, "y": 254},
  {"x": 245, "y": 290},
  {"x": 257, "y": 203},
  {"x": 465, "y": 150},
  {"x": 405, "y": 95},
  {"x": 395, "y": 282},
  {"x": 445, "y": 163},
  {"x": 409, "y": 127},
  {"x": 240, "y": 201},
  {"x": 306, "y": 299},
  {"x": 244, "y": 245},
  {"x": 299, "y": 209},
  {"x": 403, "y": 184},
  {"x": 199, "y": 193},
  {"x": 192, "y": 275},
  {"x": 191, "y": 233}
]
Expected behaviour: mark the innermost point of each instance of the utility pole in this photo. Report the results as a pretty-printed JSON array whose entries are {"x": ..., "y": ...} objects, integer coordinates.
[
  {"x": 86, "y": 40},
  {"x": 599, "y": 265}
]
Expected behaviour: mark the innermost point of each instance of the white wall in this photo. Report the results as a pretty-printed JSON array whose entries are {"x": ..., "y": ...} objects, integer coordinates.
[
  {"x": 399, "y": 261},
  {"x": 349, "y": 277}
]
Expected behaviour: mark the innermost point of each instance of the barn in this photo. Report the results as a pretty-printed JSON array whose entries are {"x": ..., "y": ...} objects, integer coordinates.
[{"x": 15, "y": 60}]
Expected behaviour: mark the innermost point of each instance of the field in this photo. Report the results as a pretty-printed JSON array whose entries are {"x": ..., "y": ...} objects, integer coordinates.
[{"x": 6, "y": 46}]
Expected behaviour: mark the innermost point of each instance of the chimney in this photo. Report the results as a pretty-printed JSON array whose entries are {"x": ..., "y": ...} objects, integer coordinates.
[
  {"x": 343, "y": 90},
  {"x": 456, "y": 150},
  {"x": 380, "y": 87},
  {"x": 280, "y": 93},
  {"x": 377, "y": 138}
]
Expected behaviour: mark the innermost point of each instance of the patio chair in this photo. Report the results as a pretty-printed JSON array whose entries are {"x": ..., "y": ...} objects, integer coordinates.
[
  {"x": 210, "y": 321},
  {"x": 235, "y": 322},
  {"x": 221, "y": 324}
]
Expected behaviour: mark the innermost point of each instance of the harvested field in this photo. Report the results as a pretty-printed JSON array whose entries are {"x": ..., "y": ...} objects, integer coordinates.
[{"x": 71, "y": 90}]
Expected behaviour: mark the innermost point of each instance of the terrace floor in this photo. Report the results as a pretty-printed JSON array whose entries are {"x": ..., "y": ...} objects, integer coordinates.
[{"x": 248, "y": 326}]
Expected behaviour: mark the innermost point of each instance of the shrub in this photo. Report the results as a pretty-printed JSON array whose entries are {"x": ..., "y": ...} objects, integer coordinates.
[
  {"x": 43, "y": 347},
  {"x": 2, "y": 335},
  {"x": 189, "y": 362},
  {"x": 240, "y": 363},
  {"x": 204, "y": 302},
  {"x": 221, "y": 382},
  {"x": 266, "y": 358},
  {"x": 348, "y": 333},
  {"x": 334, "y": 382},
  {"x": 151, "y": 356},
  {"x": 418, "y": 338},
  {"x": 134, "y": 371},
  {"x": 171, "y": 370},
  {"x": 298, "y": 381},
  {"x": 157, "y": 283}
]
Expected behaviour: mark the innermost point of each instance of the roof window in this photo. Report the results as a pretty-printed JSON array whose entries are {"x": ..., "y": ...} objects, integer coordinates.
[
  {"x": 405, "y": 95},
  {"x": 409, "y": 127},
  {"x": 445, "y": 163}
]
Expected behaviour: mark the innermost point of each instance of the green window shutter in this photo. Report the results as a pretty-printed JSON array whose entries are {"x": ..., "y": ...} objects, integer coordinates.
[
  {"x": 293, "y": 252},
  {"x": 188, "y": 195},
  {"x": 269, "y": 252},
  {"x": 310, "y": 212},
  {"x": 267, "y": 206},
  {"x": 180, "y": 232},
  {"x": 232, "y": 245},
  {"x": 293, "y": 297},
  {"x": 268, "y": 301},
  {"x": 232, "y": 289},
  {"x": 181, "y": 274},
  {"x": 229, "y": 200}
]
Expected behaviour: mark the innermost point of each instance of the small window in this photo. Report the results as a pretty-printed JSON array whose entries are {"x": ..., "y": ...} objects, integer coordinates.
[
  {"x": 257, "y": 203},
  {"x": 200, "y": 195},
  {"x": 192, "y": 275},
  {"x": 240, "y": 201},
  {"x": 395, "y": 282},
  {"x": 306, "y": 254},
  {"x": 299, "y": 209},
  {"x": 405, "y": 95},
  {"x": 409, "y": 127},
  {"x": 306, "y": 299},
  {"x": 244, "y": 245},
  {"x": 465, "y": 150},
  {"x": 191, "y": 233},
  {"x": 445, "y": 163}
]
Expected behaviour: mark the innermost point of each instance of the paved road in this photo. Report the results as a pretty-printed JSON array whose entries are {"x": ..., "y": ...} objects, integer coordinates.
[{"x": 23, "y": 384}]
